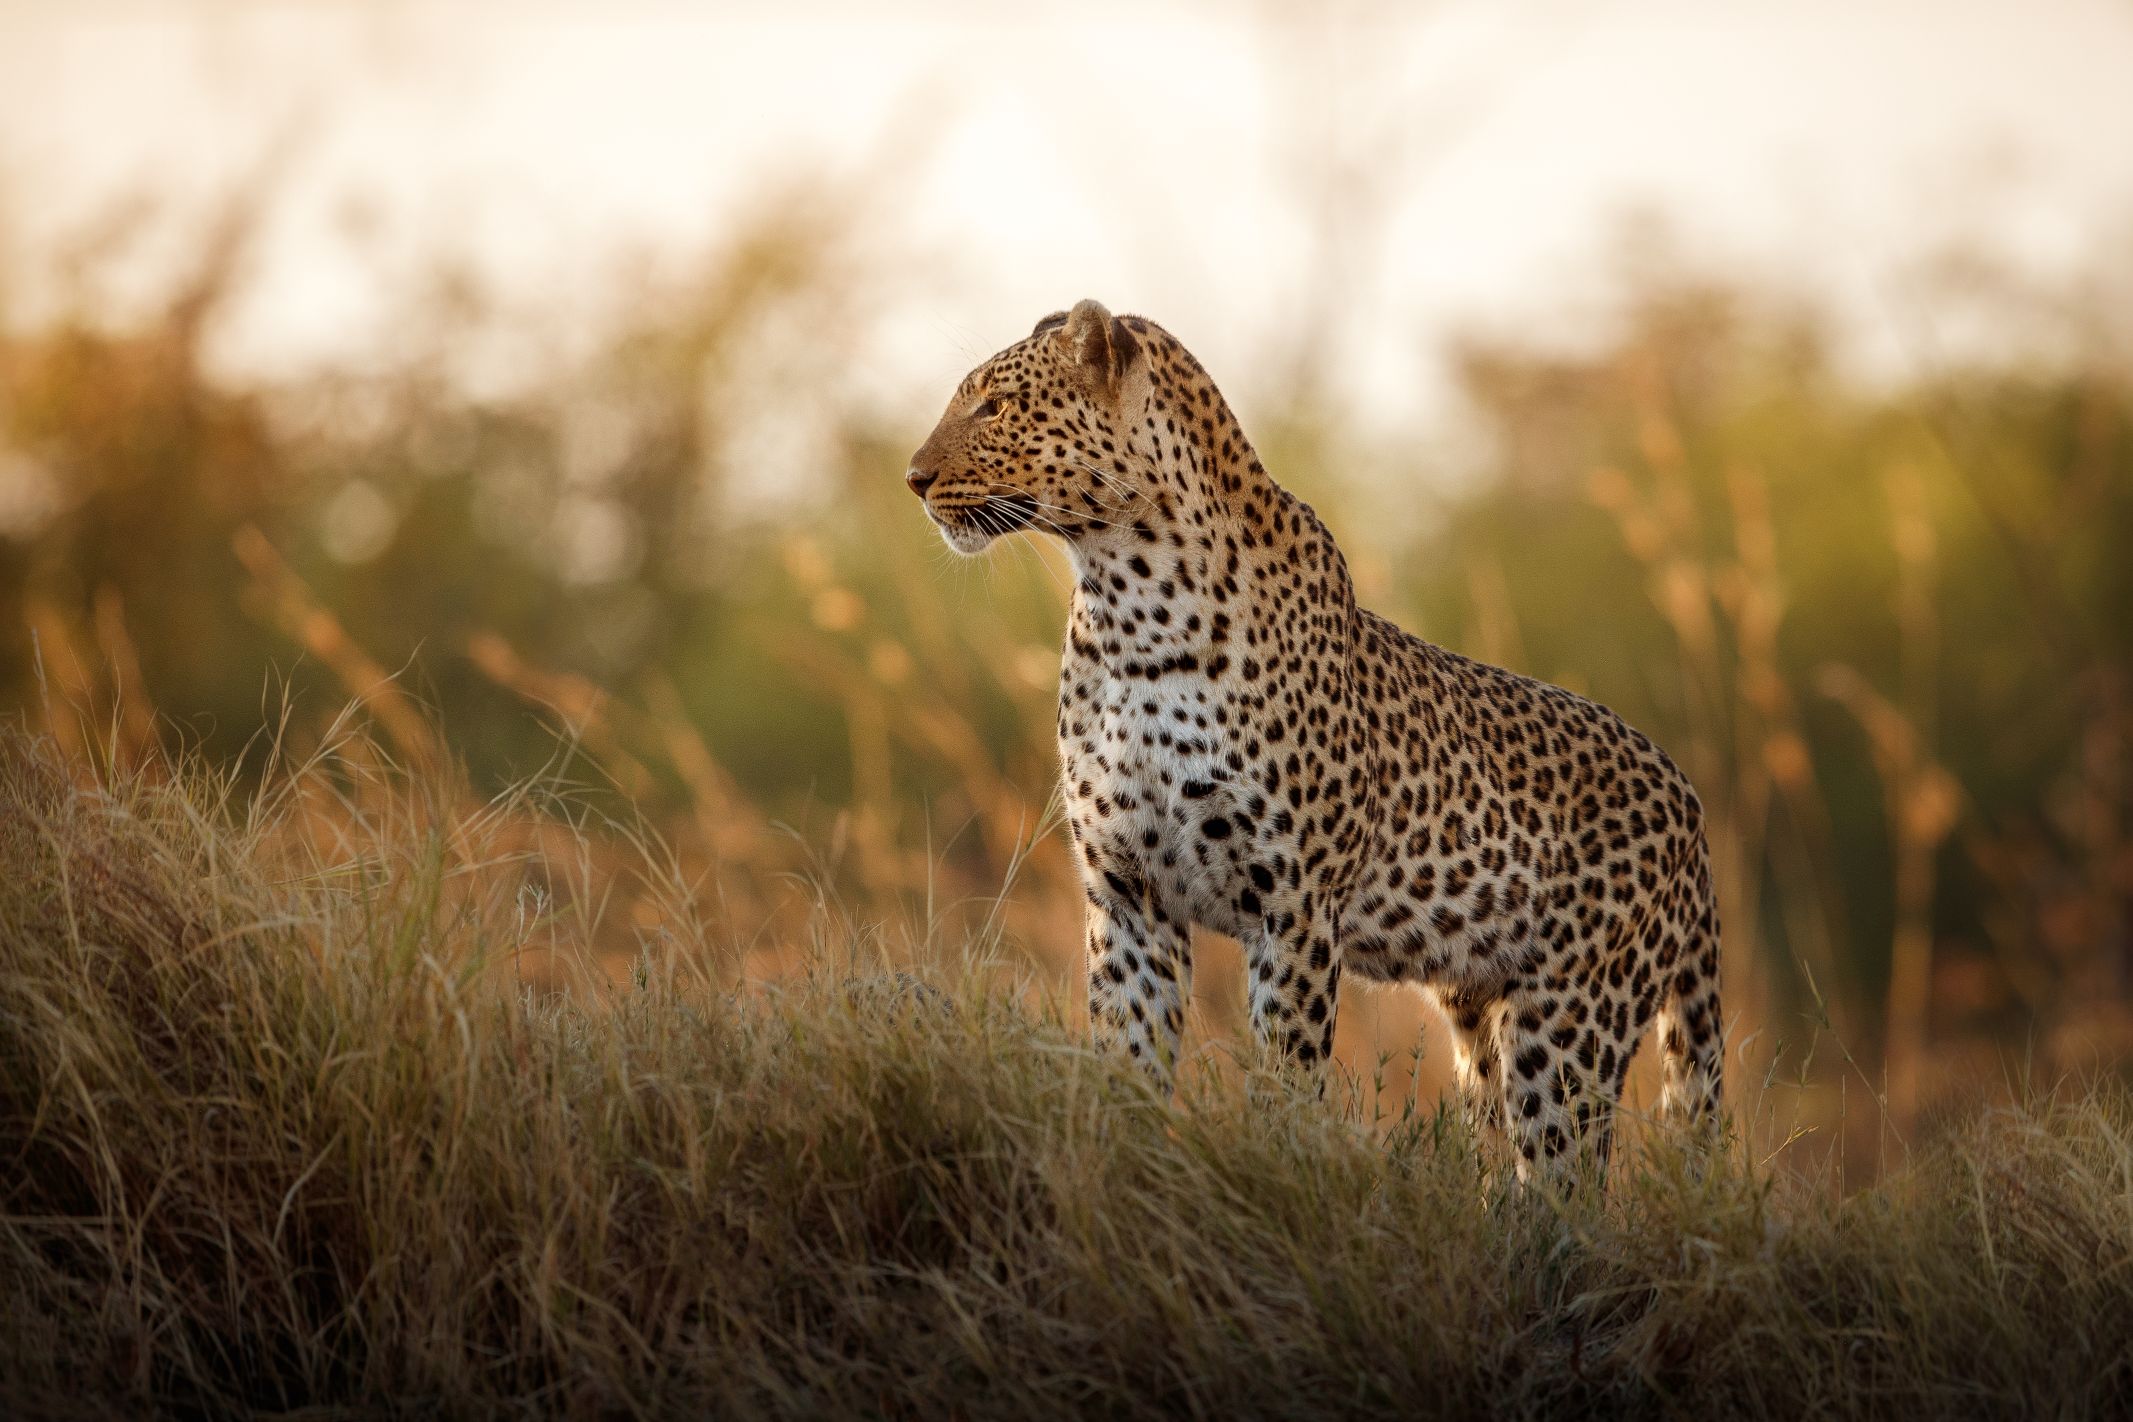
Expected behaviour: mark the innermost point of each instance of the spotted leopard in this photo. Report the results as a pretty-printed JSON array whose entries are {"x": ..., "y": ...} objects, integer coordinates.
[{"x": 1244, "y": 748}]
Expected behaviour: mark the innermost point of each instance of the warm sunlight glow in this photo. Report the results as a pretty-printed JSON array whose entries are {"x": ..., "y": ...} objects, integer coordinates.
[{"x": 1442, "y": 167}]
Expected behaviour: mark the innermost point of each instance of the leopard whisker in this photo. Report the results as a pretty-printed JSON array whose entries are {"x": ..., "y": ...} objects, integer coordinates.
[{"x": 1037, "y": 503}]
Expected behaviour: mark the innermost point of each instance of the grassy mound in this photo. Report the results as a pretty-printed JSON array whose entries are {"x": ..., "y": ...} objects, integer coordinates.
[{"x": 281, "y": 1133}]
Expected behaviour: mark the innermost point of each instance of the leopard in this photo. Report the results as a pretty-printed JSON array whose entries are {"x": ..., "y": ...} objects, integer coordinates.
[{"x": 1244, "y": 749}]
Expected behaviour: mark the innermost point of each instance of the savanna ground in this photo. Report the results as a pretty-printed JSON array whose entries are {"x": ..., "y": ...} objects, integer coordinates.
[
  {"x": 460, "y": 856},
  {"x": 287, "y": 1134}
]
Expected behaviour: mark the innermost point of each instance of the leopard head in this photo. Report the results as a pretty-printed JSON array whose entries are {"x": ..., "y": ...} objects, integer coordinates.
[{"x": 1037, "y": 437}]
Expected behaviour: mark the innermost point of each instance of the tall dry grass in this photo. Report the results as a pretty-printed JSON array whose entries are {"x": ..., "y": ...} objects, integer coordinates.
[{"x": 289, "y": 1128}]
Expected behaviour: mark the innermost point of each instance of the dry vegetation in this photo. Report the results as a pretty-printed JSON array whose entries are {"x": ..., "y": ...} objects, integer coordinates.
[
  {"x": 287, "y": 1132},
  {"x": 427, "y": 933}
]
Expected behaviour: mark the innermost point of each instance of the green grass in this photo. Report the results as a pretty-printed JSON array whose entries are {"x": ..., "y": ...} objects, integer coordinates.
[{"x": 284, "y": 1131}]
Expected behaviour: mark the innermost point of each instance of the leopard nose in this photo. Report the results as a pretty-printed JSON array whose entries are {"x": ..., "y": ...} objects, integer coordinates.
[{"x": 920, "y": 480}]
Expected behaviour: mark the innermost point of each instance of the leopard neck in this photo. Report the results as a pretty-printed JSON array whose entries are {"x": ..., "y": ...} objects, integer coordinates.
[{"x": 1171, "y": 576}]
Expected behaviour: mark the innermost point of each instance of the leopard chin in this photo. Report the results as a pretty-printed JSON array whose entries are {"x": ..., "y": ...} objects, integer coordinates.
[
  {"x": 966, "y": 539},
  {"x": 971, "y": 530}
]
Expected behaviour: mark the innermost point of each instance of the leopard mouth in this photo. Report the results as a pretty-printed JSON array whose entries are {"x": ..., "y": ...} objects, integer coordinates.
[{"x": 968, "y": 528}]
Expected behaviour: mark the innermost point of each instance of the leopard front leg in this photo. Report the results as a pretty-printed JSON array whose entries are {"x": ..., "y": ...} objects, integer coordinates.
[
  {"x": 1295, "y": 965},
  {"x": 1140, "y": 971}
]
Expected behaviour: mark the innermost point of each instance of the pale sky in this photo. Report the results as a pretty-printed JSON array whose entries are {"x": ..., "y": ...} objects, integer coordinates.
[{"x": 1222, "y": 168}]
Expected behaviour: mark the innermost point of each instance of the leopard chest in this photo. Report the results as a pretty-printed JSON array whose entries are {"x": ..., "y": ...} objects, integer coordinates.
[{"x": 1145, "y": 761}]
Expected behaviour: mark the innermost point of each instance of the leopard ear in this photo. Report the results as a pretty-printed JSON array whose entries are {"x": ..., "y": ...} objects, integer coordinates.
[
  {"x": 1099, "y": 341},
  {"x": 1050, "y": 323}
]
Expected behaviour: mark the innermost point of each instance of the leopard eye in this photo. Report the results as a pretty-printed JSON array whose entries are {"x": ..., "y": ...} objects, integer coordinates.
[{"x": 986, "y": 409}]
